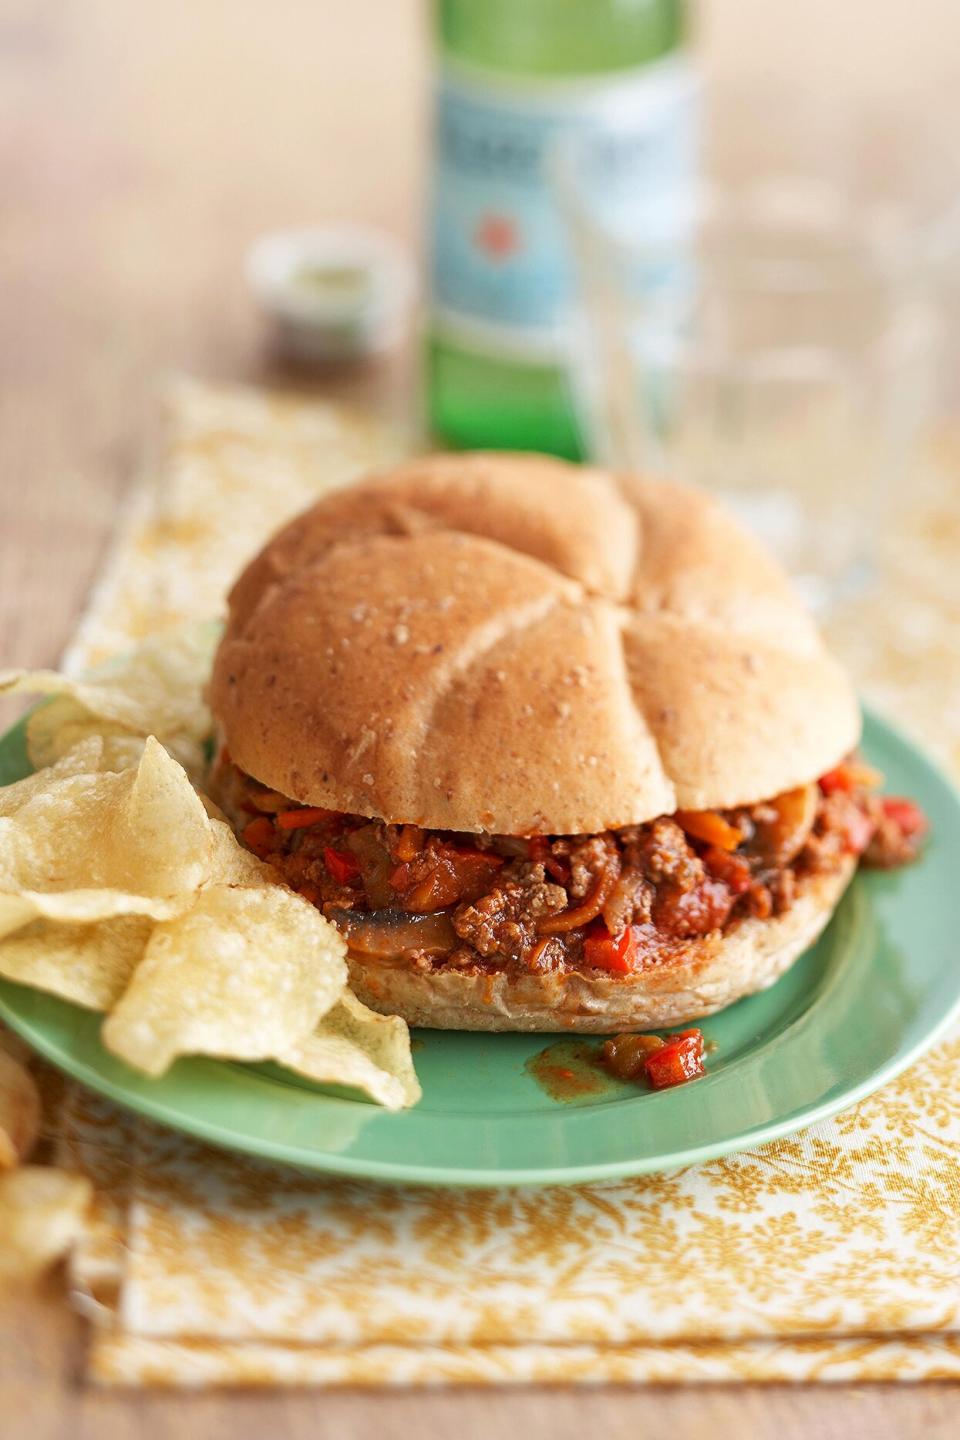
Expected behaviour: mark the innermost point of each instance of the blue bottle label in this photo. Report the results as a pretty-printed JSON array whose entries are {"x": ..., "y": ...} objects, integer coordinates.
[{"x": 501, "y": 275}]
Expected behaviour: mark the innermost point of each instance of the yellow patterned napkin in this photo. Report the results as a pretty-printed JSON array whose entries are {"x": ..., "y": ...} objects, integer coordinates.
[{"x": 830, "y": 1255}]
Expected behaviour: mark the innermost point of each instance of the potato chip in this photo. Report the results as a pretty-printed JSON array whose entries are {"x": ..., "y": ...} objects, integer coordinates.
[
  {"x": 356, "y": 1047},
  {"x": 56, "y": 728},
  {"x": 41, "y": 1216},
  {"x": 92, "y": 847},
  {"x": 86, "y": 758},
  {"x": 19, "y": 1111},
  {"x": 124, "y": 891},
  {"x": 231, "y": 864},
  {"x": 119, "y": 751},
  {"x": 156, "y": 690},
  {"x": 246, "y": 974},
  {"x": 97, "y": 699},
  {"x": 90, "y": 965}
]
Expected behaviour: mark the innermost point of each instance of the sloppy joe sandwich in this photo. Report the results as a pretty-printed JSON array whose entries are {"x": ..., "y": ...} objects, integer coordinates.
[{"x": 555, "y": 749}]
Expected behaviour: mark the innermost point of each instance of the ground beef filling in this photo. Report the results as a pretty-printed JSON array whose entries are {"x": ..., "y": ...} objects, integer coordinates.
[{"x": 616, "y": 902}]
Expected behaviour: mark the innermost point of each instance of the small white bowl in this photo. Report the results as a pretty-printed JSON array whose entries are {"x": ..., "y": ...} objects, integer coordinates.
[{"x": 333, "y": 292}]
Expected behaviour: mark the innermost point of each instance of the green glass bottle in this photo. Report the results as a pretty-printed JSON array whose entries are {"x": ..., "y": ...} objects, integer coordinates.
[{"x": 514, "y": 76}]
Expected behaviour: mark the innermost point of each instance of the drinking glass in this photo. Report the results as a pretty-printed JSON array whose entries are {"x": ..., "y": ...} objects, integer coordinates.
[{"x": 771, "y": 336}]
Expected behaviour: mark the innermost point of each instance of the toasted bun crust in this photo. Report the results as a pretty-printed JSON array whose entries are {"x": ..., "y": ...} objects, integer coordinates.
[
  {"x": 513, "y": 644},
  {"x": 704, "y": 976}
]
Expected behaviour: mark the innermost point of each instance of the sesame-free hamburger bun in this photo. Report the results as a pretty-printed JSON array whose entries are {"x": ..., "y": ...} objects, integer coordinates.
[{"x": 509, "y": 645}]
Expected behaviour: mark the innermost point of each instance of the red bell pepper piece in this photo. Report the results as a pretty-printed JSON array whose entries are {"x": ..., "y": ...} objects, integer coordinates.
[
  {"x": 836, "y": 779},
  {"x": 301, "y": 818},
  {"x": 850, "y": 775},
  {"x": 259, "y": 836},
  {"x": 733, "y": 870},
  {"x": 617, "y": 953},
  {"x": 681, "y": 1059},
  {"x": 343, "y": 866},
  {"x": 907, "y": 816}
]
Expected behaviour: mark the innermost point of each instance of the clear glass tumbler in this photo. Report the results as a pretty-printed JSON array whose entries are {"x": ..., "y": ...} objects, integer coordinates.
[{"x": 772, "y": 338}]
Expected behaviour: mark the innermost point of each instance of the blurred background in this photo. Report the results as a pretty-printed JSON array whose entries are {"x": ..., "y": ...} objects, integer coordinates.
[{"x": 756, "y": 204}]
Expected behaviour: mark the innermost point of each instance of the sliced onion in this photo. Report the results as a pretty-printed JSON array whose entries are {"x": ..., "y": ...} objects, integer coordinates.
[
  {"x": 589, "y": 908},
  {"x": 778, "y": 840},
  {"x": 376, "y": 867}
]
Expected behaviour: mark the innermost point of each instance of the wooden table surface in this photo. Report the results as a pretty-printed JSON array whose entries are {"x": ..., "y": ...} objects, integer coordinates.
[{"x": 142, "y": 147}]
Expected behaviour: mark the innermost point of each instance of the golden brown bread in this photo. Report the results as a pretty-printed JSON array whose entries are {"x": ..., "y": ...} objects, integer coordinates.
[
  {"x": 513, "y": 644},
  {"x": 705, "y": 976}
]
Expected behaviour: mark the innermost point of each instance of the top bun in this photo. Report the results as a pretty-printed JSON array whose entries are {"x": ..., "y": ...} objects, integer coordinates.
[{"x": 514, "y": 644}]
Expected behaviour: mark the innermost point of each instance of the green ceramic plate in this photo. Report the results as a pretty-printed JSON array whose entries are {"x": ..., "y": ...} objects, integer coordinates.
[{"x": 882, "y": 983}]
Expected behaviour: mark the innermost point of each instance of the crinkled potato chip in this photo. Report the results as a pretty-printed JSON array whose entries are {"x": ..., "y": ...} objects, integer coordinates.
[
  {"x": 19, "y": 1111},
  {"x": 98, "y": 699},
  {"x": 82, "y": 907},
  {"x": 245, "y": 975},
  {"x": 86, "y": 758},
  {"x": 119, "y": 751},
  {"x": 56, "y": 728},
  {"x": 90, "y": 965},
  {"x": 355, "y": 1046},
  {"x": 92, "y": 847},
  {"x": 42, "y": 1213},
  {"x": 231, "y": 864},
  {"x": 122, "y": 889},
  {"x": 158, "y": 689}
]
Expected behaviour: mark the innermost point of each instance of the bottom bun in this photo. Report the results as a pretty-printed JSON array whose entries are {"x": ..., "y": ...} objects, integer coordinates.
[{"x": 701, "y": 976}]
